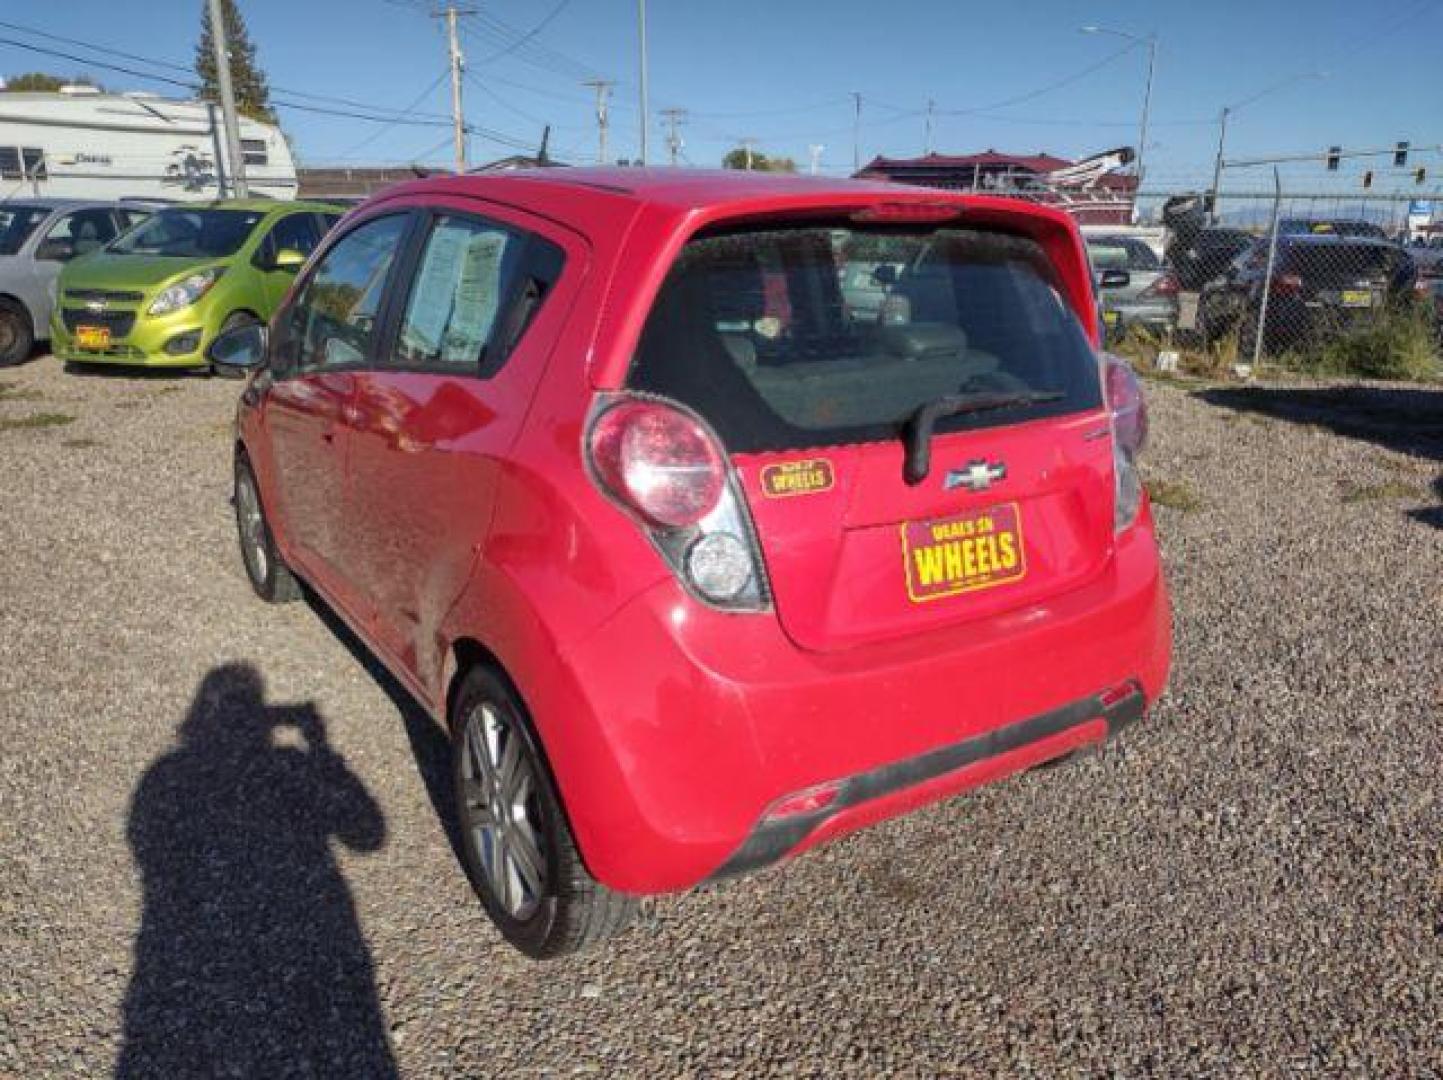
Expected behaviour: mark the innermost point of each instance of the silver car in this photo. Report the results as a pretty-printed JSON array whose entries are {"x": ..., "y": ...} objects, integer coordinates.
[
  {"x": 37, "y": 238},
  {"x": 1135, "y": 288}
]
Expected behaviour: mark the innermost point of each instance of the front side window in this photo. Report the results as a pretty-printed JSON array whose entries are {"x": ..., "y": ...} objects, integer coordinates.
[
  {"x": 297, "y": 232},
  {"x": 184, "y": 233},
  {"x": 334, "y": 320},
  {"x": 78, "y": 233},
  {"x": 457, "y": 291},
  {"x": 754, "y": 331}
]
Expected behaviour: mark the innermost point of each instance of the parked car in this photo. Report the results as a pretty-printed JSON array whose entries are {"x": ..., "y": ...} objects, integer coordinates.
[
  {"x": 699, "y": 568},
  {"x": 159, "y": 294},
  {"x": 1207, "y": 255},
  {"x": 1322, "y": 285},
  {"x": 37, "y": 238},
  {"x": 1368, "y": 230},
  {"x": 1144, "y": 295}
]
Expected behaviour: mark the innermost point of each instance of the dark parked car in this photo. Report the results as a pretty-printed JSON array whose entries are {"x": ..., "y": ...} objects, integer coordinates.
[
  {"x": 1331, "y": 227},
  {"x": 1321, "y": 286},
  {"x": 1207, "y": 255}
]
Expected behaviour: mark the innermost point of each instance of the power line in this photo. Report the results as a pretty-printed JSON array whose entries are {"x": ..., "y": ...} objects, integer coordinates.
[
  {"x": 1067, "y": 80},
  {"x": 422, "y": 96},
  {"x": 524, "y": 38}
]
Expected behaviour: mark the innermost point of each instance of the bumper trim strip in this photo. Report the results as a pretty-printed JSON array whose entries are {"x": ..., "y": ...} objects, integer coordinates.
[{"x": 772, "y": 839}]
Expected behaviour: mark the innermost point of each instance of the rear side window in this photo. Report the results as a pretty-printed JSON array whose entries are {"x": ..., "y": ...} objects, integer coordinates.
[
  {"x": 458, "y": 289},
  {"x": 754, "y": 330}
]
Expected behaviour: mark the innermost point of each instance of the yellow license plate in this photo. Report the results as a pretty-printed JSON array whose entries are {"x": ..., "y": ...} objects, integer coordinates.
[
  {"x": 978, "y": 550},
  {"x": 1110, "y": 318},
  {"x": 1357, "y": 298},
  {"x": 92, "y": 337}
]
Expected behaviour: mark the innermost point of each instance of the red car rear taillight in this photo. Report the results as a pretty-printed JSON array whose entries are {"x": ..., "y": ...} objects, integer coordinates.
[
  {"x": 1128, "y": 412},
  {"x": 664, "y": 467}
]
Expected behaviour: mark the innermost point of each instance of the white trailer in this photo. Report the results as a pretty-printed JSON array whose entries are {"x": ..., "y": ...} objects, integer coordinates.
[{"x": 83, "y": 144}]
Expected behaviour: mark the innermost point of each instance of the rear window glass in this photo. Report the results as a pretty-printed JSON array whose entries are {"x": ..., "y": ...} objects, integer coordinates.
[
  {"x": 1111, "y": 253},
  {"x": 773, "y": 338},
  {"x": 1334, "y": 260}
]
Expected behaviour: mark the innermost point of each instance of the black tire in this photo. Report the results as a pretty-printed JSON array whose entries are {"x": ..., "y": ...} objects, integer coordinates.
[
  {"x": 571, "y": 910},
  {"x": 234, "y": 319},
  {"x": 17, "y": 336},
  {"x": 268, "y": 574}
]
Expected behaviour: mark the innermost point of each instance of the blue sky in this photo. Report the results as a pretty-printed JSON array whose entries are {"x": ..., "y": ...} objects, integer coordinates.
[{"x": 782, "y": 71}]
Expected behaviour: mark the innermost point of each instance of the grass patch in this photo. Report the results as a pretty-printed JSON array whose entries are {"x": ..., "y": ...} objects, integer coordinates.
[
  {"x": 15, "y": 392},
  {"x": 1213, "y": 361},
  {"x": 1174, "y": 495},
  {"x": 37, "y": 420},
  {"x": 1389, "y": 489},
  {"x": 1401, "y": 343},
  {"x": 80, "y": 444}
]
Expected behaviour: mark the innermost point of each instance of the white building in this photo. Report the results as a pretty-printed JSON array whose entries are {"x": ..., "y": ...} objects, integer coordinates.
[{"x": 80, "y": 143}]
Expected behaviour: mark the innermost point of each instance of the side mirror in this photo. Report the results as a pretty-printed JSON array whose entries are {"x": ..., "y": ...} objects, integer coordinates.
[
  {"x": 1113, "y": 279},
  {"x": 241, "y": 348},
  {"x": 55, "y": 251},
  {"x": 289, "y": 260}
]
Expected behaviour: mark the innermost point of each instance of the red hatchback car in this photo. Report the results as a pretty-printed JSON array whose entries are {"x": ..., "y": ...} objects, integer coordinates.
[{"x": 701, "y": 566}]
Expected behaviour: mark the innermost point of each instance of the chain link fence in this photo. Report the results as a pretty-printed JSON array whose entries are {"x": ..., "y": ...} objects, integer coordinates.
[{"x": 1327, "y": 284}]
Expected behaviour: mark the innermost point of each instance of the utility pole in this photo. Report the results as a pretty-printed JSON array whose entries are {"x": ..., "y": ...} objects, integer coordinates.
[
  {"x": 931, "y": 105},
  {"x": 603, "y": 91},
  {"x": 857, "y": 132},
  {"x": 747, "y": 145},
  {"x": 674, "y": 144},
  {"x": 641, "y": 36},
  {"x": 458, "y": 66},
  {"x": 227, "y": 102},
  {"x": 1218, "y": 165},
  {"x": 815, "y": 149}
]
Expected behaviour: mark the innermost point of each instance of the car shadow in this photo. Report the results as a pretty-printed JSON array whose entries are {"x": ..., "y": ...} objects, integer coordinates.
[
  {"x": 1405, "y": 419},
  {"x": 250, "y": 959}
]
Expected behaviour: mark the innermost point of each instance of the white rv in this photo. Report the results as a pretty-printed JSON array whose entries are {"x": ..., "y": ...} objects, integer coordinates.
[{"x": 83, "y": 144}]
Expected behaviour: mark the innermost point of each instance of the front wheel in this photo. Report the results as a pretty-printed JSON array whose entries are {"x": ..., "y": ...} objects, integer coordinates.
[
  {"x": 17, "y": 336},
  {"x": 269, "y": 576},
  {"x": 516, "y": 844}
]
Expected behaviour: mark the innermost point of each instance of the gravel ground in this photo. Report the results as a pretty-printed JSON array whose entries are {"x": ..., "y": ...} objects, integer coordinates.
[{"x": 221, "y": 854}]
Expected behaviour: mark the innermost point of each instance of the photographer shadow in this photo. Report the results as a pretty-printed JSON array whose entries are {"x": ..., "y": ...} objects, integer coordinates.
[{"x": 250, "y": 959}]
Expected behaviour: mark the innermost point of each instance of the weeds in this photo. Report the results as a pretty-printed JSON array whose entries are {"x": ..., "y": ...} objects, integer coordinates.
[
  {"x": 36, "y": 420},
  {"x": 15, "y": 392},
  {"x": 1174, "y": 495},
  {"x": 1389, "y": 489}
]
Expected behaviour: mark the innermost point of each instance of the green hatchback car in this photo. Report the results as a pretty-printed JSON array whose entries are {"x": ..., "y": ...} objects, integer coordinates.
[{"x": 158, "y": 294}]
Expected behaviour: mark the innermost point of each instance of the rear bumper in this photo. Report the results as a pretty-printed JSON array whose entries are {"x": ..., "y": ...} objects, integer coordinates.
[{"x": 675, "y": 729}]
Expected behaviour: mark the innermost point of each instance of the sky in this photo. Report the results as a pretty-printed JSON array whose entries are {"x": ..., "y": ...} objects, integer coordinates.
[{"x": 1017, "y": 77}]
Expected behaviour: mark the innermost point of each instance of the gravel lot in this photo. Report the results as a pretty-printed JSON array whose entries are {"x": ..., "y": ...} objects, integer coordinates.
[{"x": 1252, "y": 882}]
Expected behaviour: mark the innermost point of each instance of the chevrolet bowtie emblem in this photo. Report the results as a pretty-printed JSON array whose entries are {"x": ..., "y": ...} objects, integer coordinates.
[{"x": 975, "y": 476}]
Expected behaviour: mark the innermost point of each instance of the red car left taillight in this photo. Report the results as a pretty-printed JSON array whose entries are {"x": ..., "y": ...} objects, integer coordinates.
[
  {"x": 1128, "y": 411},
  {"x": 662, "y": 465}
]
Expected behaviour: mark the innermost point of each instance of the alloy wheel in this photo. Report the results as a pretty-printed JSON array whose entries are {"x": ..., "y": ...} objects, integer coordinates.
[
  {"x": 502, "y": 809},
  {"x": 252, "y": 524}
]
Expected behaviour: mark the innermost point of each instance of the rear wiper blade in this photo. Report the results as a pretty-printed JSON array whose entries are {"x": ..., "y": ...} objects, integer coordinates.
[{"x": 917, "y": 431}]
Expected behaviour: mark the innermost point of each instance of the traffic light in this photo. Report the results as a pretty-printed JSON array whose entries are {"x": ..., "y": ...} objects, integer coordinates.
[
  {"x": 1335, "y": 155},
  {"x": 1400, "y": 155},
  {"x": 1368, "y": 179}
]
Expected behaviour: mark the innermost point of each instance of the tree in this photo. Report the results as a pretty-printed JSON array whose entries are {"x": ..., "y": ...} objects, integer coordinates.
[
  {"x": 741, "y": 158},
  {"x": 252, "y": 92},
  {"x": 40, "y": 82}
]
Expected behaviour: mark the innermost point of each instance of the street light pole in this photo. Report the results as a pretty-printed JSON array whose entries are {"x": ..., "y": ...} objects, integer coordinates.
[{"x": 641, "y": 40}]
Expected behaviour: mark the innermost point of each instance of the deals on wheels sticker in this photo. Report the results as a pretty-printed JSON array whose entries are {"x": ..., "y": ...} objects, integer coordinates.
[
  {"x": 806, "y": 477},
  {"x": 962, "y": 554}
]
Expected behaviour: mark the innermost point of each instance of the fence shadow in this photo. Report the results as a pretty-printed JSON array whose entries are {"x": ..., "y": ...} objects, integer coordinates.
[
  {"x": 1404, "y": 419},
  {"x": 250, "y": 960}
]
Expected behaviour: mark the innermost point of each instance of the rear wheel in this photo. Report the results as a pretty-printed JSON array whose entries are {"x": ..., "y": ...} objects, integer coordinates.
[
  {"x": 17, "y": 336},
  {"x": 269, "y": 577},
  {"x": 515, "y": 841}
]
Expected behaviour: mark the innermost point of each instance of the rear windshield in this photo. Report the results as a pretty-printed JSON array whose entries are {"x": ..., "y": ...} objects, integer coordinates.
[
  {"x": 1340, "y": 260},
  {"x": 1120, "y": 253},
  {"x": 189, "y": 234},
  {"x": 777, "y": 339},
  {"x": 16, "y": 225}
]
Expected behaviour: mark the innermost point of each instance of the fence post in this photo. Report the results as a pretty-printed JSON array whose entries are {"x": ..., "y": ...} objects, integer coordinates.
[{"x": 1268, "y": 277}]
